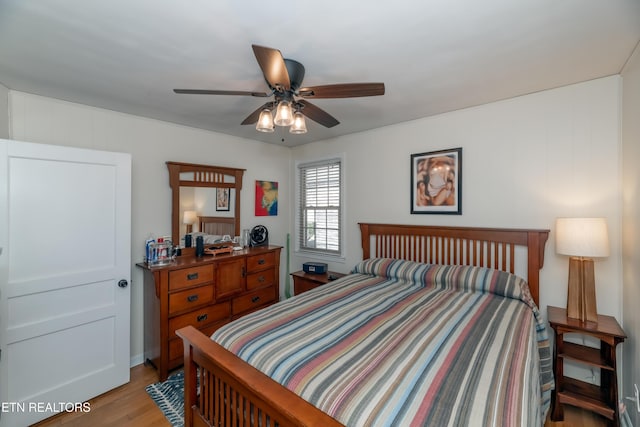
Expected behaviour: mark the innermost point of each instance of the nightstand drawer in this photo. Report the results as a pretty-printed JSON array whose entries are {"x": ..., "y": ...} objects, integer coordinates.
[
  {"x": 303, "y": 282},
  {"x": 184, "y": 300},
  {"x": 260, "y": 262},
  {"x": 193, "y": 276}
]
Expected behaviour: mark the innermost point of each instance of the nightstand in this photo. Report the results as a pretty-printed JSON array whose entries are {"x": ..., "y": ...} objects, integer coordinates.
[
  {"x": 303, "y": 282},
  {"x": 601, "y": 399}
]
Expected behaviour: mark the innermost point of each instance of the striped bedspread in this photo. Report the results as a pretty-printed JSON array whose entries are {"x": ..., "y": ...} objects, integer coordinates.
[{"x": 399, "y": 343}]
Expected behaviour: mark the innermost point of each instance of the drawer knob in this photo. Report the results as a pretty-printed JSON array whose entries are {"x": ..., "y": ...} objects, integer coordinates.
[
  {"x": 192, "y": 276},
  {"x": 255, "y": 299},
  {"x": 202, "y": 318},
  {"x": 261, "y": 261},
  {"x": 261, "y": 279},
  {"x": 192, "y": 298}
]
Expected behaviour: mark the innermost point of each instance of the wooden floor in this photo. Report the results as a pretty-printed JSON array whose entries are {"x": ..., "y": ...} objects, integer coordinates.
[{"x": 130, "y": 405}]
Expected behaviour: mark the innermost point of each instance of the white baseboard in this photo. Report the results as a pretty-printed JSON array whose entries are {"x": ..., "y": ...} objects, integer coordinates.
[{"x": 136, "y": 360}]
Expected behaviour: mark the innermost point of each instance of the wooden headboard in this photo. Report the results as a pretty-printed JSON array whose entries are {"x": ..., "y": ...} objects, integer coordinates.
[
  {"x": 482, "y": 247},
  {"x": 217, "y": 225}
]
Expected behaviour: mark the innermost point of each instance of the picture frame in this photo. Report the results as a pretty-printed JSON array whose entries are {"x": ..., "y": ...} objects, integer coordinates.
[
  {"x": 222, "y": 199},
  {"x": 266, "y": 202},
  {"x": 436, "y": 182}
]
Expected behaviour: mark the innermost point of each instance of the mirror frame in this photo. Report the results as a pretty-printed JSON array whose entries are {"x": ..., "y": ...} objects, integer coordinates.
[{"x": 203, "y": 176}]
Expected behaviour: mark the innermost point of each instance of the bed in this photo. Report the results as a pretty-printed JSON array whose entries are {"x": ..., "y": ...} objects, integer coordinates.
[
  {"x": 433, "y": 327},
  {"x": 216, "y": 225}
]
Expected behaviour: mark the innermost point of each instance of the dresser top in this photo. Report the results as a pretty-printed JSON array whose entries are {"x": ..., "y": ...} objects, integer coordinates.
[{"x": 191, "y": 261}]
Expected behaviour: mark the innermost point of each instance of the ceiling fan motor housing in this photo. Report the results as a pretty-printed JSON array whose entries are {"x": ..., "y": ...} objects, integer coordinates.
[{"x": 296, "y": 73}]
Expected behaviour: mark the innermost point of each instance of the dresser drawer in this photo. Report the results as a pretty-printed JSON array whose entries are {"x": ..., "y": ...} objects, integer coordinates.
[
  {"x": 261, "y": 279},
  {"x": 189, "y": 298},
  {"x": 259, "y": 262},
  {"x": 176, "y": 346},
  {"x": 253, "y": 300},
  {"x": 193, "y": 276},
  {"x": 199, "y": 318}
]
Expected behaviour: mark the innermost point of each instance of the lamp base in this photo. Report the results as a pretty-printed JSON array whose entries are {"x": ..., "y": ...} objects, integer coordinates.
[{"x": 581, "y": 295}]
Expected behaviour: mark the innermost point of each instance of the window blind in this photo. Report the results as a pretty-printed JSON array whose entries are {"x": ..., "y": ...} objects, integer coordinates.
[{"x": 320, "y": 207}]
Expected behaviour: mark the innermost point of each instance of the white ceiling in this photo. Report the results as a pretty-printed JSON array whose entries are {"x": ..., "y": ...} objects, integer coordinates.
[{"x": 433, "y": 55}]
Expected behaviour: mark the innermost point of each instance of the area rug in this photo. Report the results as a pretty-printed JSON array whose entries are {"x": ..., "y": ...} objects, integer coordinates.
[{"x": 169, "y": 396}]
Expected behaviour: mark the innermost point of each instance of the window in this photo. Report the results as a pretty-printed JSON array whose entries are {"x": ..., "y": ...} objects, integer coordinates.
[{"x": 320, "y": 210}]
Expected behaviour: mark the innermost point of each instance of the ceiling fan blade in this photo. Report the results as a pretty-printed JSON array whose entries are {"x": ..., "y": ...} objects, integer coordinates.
[
  {"x": 253, "y": 117},
  {"x": 317, "y": 114},
  {"x": 220, "y": 92},
  {"x": 273, "y": 67},
  {"x": 343, "y": 90}
]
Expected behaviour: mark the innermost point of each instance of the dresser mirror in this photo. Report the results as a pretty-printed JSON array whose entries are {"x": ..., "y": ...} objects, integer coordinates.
[{"x": 205, "y": 199}]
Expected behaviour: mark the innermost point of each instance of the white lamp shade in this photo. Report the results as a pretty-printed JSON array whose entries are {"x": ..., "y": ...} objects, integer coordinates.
[
  {"x": 284, "y": 115},
  {"x": 582, "y": 237},
  {"x": 190, "y": 217},
  {"x": 299, "y": 125}
]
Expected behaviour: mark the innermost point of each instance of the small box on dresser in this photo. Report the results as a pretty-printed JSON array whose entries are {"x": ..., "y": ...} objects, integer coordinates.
[{"x": 206, "y": 292}]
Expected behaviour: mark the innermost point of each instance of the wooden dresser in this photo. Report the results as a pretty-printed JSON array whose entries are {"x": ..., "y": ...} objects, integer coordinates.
[{"x": 205, "y": 292}]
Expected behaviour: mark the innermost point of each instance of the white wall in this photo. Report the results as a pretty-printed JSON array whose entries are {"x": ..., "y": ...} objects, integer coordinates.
[
  {"x": 526, "y": 161},
  {"x": 4, "y": 112},
  {"x": 152, "y": 143},
  {"x": 631, "y": 226}
]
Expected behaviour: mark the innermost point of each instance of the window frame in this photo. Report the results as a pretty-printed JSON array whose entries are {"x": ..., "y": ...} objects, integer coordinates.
[{"x": 320, "y": 253}]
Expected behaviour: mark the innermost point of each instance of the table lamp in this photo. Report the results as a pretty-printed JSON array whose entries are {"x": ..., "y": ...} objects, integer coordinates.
[
  {"x": 582, "y": 239},
  {"x": 189, "y": 218}
]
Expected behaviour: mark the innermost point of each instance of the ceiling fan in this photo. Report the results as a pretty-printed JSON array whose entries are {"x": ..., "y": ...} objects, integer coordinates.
[{"x": 284, "y": 78}]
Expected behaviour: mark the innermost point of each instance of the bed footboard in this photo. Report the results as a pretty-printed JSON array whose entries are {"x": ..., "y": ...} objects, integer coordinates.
[{"x": 233, "y": 393}]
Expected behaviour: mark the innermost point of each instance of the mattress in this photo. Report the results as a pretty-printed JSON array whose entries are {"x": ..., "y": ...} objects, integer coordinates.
[{"x": 403, "y": 343}]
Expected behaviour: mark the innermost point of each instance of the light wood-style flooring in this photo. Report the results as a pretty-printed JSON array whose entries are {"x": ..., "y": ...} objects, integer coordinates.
[
  {"x": 130, "y": 405},
  {"x": 126, "y": 406}
]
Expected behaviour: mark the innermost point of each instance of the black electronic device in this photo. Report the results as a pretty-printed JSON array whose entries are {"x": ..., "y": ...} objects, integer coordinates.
[
  {"x": 314, "y": 267},
  {"x": 199, "y": 246},
  {"x": 259, "y": 236}
]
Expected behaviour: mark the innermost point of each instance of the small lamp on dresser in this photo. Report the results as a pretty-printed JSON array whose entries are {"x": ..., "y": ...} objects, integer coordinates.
[
  {"x": 189, "y": 218},
  {"x": 582, "y": 239}
]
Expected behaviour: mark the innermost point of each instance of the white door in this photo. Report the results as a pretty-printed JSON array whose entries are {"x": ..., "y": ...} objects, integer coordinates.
[{"x": 65, "y": 226}]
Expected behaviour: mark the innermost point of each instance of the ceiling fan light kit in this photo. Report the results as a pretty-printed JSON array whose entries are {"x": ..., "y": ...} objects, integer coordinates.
[
  {"x": 265, "y": 122},
  {"x": 284, "y": 116},
  {"x": 284, "y": 78},
  {"x": 299, "y": 125}
]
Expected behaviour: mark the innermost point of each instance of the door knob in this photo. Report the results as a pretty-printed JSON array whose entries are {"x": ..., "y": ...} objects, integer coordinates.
[{"x": 123, "y": 283}]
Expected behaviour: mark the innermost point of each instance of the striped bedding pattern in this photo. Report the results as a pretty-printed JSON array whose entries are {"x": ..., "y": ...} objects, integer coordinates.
[{"x": 399, "y": 343}]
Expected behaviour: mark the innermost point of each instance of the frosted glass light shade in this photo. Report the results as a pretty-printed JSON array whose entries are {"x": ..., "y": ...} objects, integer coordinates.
[
  {"x": 284, "y": 115},
  {"x": 299, "y": 125},
  {"x": 582, "y": 237},
  {"x": 265, "y": 121}
]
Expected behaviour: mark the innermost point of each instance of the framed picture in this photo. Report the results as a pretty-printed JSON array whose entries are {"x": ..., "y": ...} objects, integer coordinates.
[
  {"x": 436, "y": 182},
  {"x": 266, "y": 198},
  {"x": 222, "y": 199}
]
